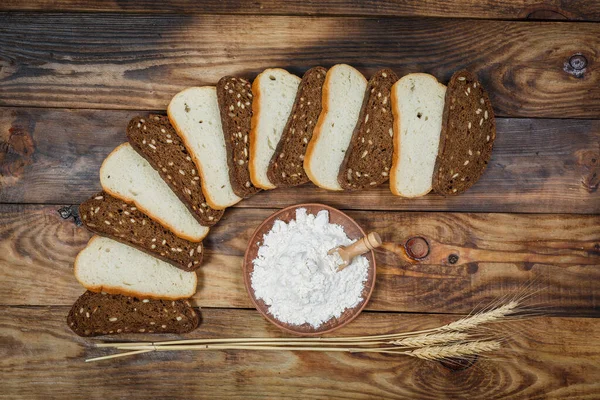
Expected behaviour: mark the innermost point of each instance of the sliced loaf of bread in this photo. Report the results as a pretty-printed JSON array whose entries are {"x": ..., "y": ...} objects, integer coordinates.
[
  {"x": 129, "y": 177},
  {"x": 343, "y": 94},
  {"x": 418, "y": 105},
  {"x": 194, "y": 113},
  {"x": 286, "y": 167},
  {"x": 108, "y": 216},
  {"x": 274, "y": 94},
  {"x": 154, "y": 138},
  {"x": 95, "y": 314},
  {"x": 468, "y": 133},
  {"x": 235, "y": 104},
  {"x": 106, "y": 265},
  {"x": 369, "y": 157}
]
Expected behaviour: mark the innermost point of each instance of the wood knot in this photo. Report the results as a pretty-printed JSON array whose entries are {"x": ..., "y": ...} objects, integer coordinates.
[
  {"x": 417, "y": 248},
  {"x": 459, "y": 364},
  {"x": 576, "y": 65},
  {"x": 16, "y": 151},
  {"x": 590, "y": 163}
]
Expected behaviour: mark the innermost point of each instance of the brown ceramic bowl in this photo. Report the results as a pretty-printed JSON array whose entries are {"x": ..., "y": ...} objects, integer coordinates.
[{"x": 352, "y": 229}]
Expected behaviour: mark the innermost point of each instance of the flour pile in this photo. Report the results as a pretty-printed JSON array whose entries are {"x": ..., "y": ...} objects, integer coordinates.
[{"x": 297, "y": 279}]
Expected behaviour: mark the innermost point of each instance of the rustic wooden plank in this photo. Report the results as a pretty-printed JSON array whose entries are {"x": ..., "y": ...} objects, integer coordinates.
[
  {"x": 35, "y": 243},
  {"x": 545, "y": 358},
  {"x": 83, "y": 60},
  {"x": 490, "y": 9},
  {"x": 53, "y": 156}
]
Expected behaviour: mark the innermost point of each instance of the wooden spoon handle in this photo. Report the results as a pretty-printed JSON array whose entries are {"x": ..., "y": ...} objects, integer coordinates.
[{"x": 367, "y": 243}]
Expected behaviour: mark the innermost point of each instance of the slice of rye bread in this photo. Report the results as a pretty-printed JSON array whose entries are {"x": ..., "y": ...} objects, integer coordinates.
[
  {"x": 155, "y": 139},
  {"x": 108, "y": 216},
  {"x": 95, "y": 314},
  {"x": 235, "y": 104},
  {"x": 467, "y": 137},
  {"x": 368, "y": 159},
  {"x": 286, "y": 167}
]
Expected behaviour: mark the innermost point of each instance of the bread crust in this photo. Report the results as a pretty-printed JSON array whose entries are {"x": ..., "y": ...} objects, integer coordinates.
[
  {"x": 318, "y": 129},
  {"x": 397, "y": 130},
  {"x": 207, "y": 195},
  {"x": 116, "y": 290},
  {"x": 144, "y": 210}
]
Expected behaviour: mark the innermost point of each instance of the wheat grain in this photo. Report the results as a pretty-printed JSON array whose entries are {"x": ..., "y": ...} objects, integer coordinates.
[
  {"x": 431, "y": 339},
  {"x": 460, "y": 350},
  {"x": 480, "y": 318}
]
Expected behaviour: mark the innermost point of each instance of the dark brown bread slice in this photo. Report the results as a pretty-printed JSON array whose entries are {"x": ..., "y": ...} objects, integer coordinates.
[
  {"x": 368, "y": 159},
  {"x": 467, "y": 136},
  {"x": 286, "y": 167},
  {"x": 154, "y": 138},
  {"x": 235, "y": 105},
  {"x": 108, "y": 216},
  {"x": 95, "y": 314}
]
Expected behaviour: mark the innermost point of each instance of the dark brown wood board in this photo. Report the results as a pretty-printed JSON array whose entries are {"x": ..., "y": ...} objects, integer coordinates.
[
  {"x": 72, "y": 74},
  {"x": 546, "y": 358},
  {"x": 490, "y": 9},
  {"x": 538, "y": 166},
  {"x": 123, "y": 61}
]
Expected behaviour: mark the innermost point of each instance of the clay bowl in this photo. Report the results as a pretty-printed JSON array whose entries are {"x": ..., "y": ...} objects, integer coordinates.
[{"x": 352, "y": 229}]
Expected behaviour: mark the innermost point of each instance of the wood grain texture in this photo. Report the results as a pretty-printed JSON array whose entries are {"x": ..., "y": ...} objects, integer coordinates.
[
  {"x": 490, "y": 9},
  {"x": 538, "y": 166},
  {"x": 35, "y": 242},
  {"x": 545, "y": 358},
  {"x": 140, "y": 61}
]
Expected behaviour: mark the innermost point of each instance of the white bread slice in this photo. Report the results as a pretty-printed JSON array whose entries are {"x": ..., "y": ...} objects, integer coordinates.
[
  {"x": 343, "y": 95},
  {"x": 106, "y": 265},
  {"x": 274, "y": 94},
  {"x": 418, "y": 106},
  {"x": 195, "y": 115},
  {"x": 128, "y": 176}
]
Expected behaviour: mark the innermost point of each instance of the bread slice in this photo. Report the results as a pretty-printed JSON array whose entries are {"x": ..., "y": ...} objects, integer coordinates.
[
  {"x": 108, "y": 216},
  {"x": 343, "y": 94},
  {"x": 417, "y": 104},
  {"x": 194, "y": 113},
  {"x": 274, "y": 94},
  {"x": 154, "y": 138},
  {"x": 106, "y": 265},
  {"x": 129, "y": 177},
  {"x": 286, "y": 167},
  {"x": 369, "y": 157},
  {"x": 95, "y": 314},
  {"x": 235, "y": 104},
  {"x": 468, "y": 134}
]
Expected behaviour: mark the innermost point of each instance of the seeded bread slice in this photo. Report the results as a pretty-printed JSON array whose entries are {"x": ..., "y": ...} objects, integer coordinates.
[
  {"x": 286, "y": 167},
  {"x": 195, "y": 115},
  {"x": 106, "y": 265},
  {"x": 154, "y": 138},
  {"x": 274, "y": 94},
  {"x": 369, "y": 157},
  {"x": 129, "y": 177},
  {"x": 467, "y": 138},
  {"x": 108, "y": 216},
  {"x": 418, "y": 105},
  {"x": 343, "y": 94},
  {"x": 235, "y": 104},
  {"x": 95, "y": 314}
]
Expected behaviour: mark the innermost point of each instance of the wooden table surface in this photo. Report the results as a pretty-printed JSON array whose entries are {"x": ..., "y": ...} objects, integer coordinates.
[{"x": 72, "y": 73}]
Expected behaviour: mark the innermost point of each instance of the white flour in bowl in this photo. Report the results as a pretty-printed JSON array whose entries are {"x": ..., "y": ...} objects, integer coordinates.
[{"x": 297, "y": 279}]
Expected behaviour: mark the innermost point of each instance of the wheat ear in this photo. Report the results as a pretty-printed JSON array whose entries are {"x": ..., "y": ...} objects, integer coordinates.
[{"x": 460, "y": 350}]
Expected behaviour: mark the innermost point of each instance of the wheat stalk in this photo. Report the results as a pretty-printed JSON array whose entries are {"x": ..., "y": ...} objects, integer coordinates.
[{"x": 448, "y": 341}]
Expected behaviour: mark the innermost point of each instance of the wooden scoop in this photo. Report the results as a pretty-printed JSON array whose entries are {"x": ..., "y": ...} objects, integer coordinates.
[{"x": 361, "y": 246}]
